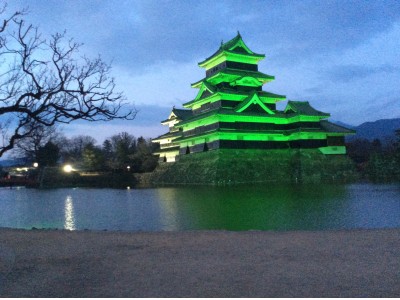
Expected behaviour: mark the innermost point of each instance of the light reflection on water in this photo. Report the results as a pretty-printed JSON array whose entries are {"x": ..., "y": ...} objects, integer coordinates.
[
  {"x": 297, "y": 207},
  {"x": 69, "y": 223}
]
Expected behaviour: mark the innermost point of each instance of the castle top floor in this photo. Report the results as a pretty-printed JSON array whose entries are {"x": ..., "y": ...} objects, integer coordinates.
[{"x": 233, "y": 54}]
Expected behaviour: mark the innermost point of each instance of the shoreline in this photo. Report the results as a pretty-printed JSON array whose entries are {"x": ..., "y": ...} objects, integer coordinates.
[{"x": 337, "y": 263}]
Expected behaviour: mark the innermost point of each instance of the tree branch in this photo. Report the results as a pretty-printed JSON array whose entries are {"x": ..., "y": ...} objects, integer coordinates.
[{"x": 60, "y": 89}]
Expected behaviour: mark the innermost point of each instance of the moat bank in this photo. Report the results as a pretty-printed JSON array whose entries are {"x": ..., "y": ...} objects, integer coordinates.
[
  {"x": 55, "y": 177},
  {"x": 216, "y": 167}
]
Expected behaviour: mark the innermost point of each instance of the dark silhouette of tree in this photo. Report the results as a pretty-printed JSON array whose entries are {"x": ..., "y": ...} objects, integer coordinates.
[
  {"x": 376, "y": 146},
  {"x": 48, "y": 155},
  {"x": 28, "y": 148},
  {"x": 93, "y": 158},
  {"x": 44, "y": 82},
  {"x": 397, "y": 142},
  {"x": 359, "y": 150},
  {"x": 72, "y": 149},
  {"x": 123, "y": 150},
  {"x": 124, "y": 145},
  {"x": 143, "y": 159},
  {"x": 108, "y": 153},
  {"x": 376, "y": 161}
]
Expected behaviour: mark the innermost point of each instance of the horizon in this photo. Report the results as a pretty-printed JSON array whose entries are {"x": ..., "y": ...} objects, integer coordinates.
[
  {"x": 9, "y": 155},
  {"x": 341, "y": 58}
]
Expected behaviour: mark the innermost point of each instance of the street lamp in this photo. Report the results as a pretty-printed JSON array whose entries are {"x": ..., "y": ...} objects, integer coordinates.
[
  {"x": 68, "y": 169},
  {"x": 35, "y": 165},
  {"x": 128, "y": 168}
]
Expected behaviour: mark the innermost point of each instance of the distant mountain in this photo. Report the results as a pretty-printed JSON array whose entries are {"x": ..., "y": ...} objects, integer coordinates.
[
  {"x": 383, "y": 130},
  {"x": 343, "y": 124},
  {"x": 10, "y": 162}
]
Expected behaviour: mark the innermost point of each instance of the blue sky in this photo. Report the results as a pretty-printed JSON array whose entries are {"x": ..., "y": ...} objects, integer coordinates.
[{"x": 342, "y": 56}]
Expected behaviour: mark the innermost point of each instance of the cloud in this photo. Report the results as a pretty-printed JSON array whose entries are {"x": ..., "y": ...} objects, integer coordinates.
[
  {"x": 164, "y": 84},
  {"x": 348, "y": 73},
  {"x": 149, "y": 115},
  {"x": 139, "y": 33},
  {"x": 147, "y": 123},
  {"x": 339, "y": 55},
  {"x": 103, "y": 130},
  {"x": 146, "y": 115}
]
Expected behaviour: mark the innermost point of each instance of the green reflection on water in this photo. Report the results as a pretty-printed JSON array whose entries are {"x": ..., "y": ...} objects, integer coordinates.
[{"x": 253, "y": 207}]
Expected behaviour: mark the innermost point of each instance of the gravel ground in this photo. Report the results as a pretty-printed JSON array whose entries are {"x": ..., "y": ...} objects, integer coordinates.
[{"x": 51, "y": 263}]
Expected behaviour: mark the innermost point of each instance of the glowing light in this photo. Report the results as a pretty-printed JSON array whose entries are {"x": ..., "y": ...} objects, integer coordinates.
[
  {"x": 68, "y": 168},
  {"x": 35, "y": 165}
]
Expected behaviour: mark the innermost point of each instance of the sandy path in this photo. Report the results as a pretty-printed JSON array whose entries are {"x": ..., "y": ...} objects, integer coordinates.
[{"x": 358, "y": 263}]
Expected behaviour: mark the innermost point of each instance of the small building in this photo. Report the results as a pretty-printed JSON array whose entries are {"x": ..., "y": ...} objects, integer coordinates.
[
  {"x": 169, "y": 148},
  {"x": 232, "y": 111}
]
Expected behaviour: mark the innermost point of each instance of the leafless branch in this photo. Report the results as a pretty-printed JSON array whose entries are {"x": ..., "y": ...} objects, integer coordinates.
[{"x": 45, "y": 82}]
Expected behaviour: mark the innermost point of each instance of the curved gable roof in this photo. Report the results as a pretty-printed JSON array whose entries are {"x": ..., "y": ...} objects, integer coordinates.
[
  {"x": 304, "y": 108},
  {"x": 235, "y": 45}
]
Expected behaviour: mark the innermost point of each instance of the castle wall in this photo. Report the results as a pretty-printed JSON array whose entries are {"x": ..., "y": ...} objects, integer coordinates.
[{"x": 227, "y": 166}]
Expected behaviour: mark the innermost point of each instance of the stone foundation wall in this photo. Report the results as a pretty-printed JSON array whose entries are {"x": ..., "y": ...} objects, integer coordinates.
[{"x": 225, "y": 166}]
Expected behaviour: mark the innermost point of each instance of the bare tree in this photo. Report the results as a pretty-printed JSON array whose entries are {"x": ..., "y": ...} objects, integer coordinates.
[
  {"x": 72, "y": 149},
  {"x": 45, "y": 82},
  {"x": 28, "y": 147}
]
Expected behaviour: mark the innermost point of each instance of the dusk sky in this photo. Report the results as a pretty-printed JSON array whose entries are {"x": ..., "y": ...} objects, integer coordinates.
[{"x": 342, "y": 56}]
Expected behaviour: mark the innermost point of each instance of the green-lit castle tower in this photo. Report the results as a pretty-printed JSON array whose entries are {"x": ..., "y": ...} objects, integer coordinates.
[{"x": 231, "y": 111}]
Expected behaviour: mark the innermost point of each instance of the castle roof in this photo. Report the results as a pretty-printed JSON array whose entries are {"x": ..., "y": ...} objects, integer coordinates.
[
  {"x": 331, "y": 127},
  {"x": 234, "y": 74},
  {"x": 180, "y": 114},
  {"x": 261, "y": 132},
  {"x": 233, "y": 46},
  {"x": 229, "y": 111},
  {"x": 167, "y": 135},
  {"x": 303, "y": 108},
  {"x": 225, "y": 90}
]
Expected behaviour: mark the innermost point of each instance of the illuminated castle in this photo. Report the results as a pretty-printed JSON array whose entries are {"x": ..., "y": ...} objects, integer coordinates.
[{"x": 231, "y": 111}]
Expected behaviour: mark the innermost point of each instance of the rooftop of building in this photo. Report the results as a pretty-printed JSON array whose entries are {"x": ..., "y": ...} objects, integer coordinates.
[
  {"x": 277, "y": 114},
  {"x": 235, "y": 72},
  {"x": 326, "y": 127},
  {"x": 225, "y": 90},
  {"x": 180, "y": 114},
  {"x": 167, "y": 135},
  {"x": 331, "y": 127},
  {"x": 304, "y": 108},
  {"x": 235, "y": 45}
]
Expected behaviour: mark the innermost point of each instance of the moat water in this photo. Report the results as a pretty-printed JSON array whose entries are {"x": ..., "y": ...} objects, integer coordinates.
[{"x": 288, "y": 207}]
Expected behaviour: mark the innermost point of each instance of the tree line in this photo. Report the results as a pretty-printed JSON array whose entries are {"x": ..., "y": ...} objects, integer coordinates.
[
  {"x": 47, "y": 147},
  {"x": 376, "y": 161}
]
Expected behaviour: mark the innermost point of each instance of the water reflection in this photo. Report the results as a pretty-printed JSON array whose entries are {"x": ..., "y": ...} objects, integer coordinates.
[
  {"x": 69, "y": 222},
  {"x": 169, "y": 210},
  {"x": 253, "y": 207},
  {"x": 258, "y": 207}
]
